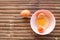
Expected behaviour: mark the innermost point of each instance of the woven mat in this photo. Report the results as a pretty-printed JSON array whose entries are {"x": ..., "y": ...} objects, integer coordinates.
[{"x": 14, "y": 27}]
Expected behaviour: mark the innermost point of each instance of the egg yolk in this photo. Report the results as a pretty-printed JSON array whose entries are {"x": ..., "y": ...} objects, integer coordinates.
[
  {"x": 40, "y": 29},
  {"x": 43, "y": 21}
]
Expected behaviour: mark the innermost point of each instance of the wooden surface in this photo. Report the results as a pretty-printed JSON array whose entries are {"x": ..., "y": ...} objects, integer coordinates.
[{"x": 14, "y": 27}]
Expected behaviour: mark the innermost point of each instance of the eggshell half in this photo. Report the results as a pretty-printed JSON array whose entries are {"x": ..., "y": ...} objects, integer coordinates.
[{"x": 51, "y": 25}]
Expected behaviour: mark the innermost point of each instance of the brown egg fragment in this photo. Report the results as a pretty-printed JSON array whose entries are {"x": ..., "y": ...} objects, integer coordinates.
[{"x": 25, "y": 13}]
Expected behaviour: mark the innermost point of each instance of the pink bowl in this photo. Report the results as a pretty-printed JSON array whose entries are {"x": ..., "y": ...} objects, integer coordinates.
[{"x": 51, "y": 25}]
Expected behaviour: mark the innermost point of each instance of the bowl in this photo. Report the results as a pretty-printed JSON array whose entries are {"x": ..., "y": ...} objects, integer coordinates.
[{"x": 51, "y": 25}]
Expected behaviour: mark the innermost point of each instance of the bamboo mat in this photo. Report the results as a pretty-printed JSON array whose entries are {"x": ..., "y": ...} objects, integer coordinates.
[{"x": 14, "y": 27}]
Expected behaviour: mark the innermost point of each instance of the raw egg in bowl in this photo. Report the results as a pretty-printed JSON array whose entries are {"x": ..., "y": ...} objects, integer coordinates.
[{"x": 42, "y": 22}]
